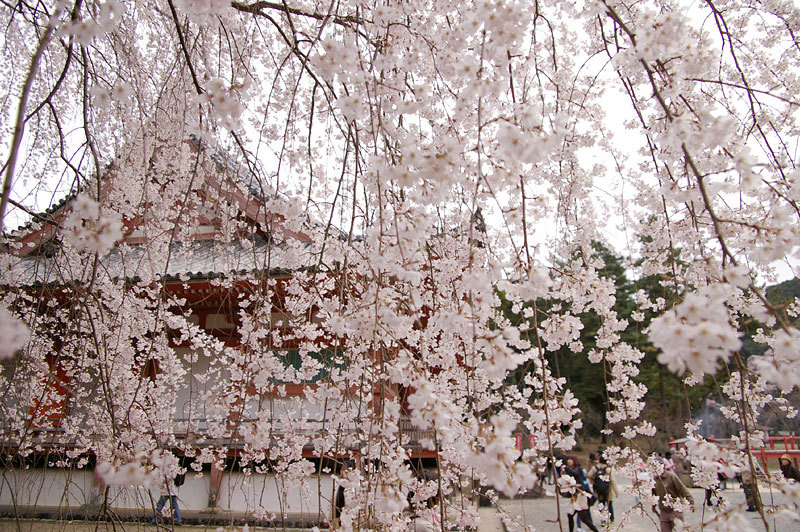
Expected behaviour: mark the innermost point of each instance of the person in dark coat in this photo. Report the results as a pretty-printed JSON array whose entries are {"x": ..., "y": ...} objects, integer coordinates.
[
  {"x": 749, "y": 489},
  {"x": 788, "y": 469},
  {"x": 604, "y": 485},
  {"x": 580, "y": 498}
]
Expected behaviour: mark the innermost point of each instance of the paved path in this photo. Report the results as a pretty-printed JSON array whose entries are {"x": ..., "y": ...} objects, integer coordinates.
[
  {"x": 490, "y": 520},
  {"x": 527, "y": 515}
]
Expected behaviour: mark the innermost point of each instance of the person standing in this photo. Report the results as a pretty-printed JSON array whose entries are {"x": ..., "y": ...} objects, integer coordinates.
[
  {"x": 339, "y": 499},
  {"x": 668, "y": 462},
  {"x": 169, "y": 492},
  {"x": 580, "y": 498},
  {"x": 605, "y": 487},
  {"x": 668, "y": 483},
  {"x": 748, "y": 486}
]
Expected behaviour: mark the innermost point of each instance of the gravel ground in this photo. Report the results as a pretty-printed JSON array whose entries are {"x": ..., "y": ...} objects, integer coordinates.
[{"x": 521, "y": 515}]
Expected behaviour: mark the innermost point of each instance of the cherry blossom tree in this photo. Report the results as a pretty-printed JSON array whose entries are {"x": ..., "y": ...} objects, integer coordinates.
[{"x": 400, "y": 164}]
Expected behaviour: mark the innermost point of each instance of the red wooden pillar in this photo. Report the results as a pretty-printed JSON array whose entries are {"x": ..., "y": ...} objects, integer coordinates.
[{"x": 215, "y": 485}]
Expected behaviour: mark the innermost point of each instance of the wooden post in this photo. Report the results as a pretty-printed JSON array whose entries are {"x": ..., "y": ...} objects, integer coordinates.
[{"x": 215, "y": 485}]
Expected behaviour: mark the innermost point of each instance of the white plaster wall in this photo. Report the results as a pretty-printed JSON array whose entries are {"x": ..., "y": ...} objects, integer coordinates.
[
  {"x": 45, "y": 487},
  {"x": 193, "y": 495},
  {"x": 239, "y": 493},
  {"x": 258, "y": 493},
  {"x": 188, "y": 400}
]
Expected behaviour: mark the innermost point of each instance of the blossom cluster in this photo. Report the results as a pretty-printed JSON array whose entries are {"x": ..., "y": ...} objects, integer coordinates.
[
  {"x": 87, "y": 228},
  {"x": 85, "y": 30},
  {"x": 695, "y": 334},
  {"x": 203, "y": 7},
  {"x": 497, "y": 461},
  {"x": 120, "y": 92},
  {"x": 140, "y": 471},
  {"x": 503, "y": 353},
  {"x": 782, "y": 364},
  {"x": 224, "y": 101}
]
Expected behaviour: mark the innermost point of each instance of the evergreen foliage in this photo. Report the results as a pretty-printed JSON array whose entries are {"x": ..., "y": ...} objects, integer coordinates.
[{"x": 669, "y": 401}]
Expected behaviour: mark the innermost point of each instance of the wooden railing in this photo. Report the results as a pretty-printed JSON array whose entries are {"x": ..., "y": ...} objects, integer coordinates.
[{"x": 774, "y": 447}]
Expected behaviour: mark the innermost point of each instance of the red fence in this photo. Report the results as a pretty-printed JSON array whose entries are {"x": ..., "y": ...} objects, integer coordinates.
[{"x": 774, "y": 447}]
